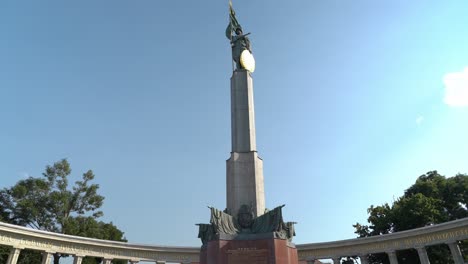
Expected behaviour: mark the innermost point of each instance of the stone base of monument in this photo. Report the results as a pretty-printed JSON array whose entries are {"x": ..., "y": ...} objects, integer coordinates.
[
  {"x": 249, "y": 249},
  {"x": 246, "y": 239}
]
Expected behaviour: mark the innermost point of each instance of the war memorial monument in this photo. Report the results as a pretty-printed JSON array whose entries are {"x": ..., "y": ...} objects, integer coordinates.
[{"x": 245, "y": 232}]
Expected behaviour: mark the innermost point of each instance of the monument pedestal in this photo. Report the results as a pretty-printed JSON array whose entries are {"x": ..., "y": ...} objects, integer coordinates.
[{"x": 249, "y": 249}]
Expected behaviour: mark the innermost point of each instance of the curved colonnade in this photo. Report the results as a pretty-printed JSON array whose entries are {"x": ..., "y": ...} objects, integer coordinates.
[
  {"x": 448, "y": 233},
  {"x": 19, "y": 238},
  {"x": 49, "y": 243}
]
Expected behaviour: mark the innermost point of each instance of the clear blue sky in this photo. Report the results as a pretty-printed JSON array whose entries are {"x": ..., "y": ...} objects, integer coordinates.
[{"x": 349, "y": 99}]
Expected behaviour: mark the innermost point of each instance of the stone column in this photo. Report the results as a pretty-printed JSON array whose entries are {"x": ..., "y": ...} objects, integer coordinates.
[
  {"x": 13, "y": 257},
  {"x": 392, "y": 257},
  {"x": 363, "y": 259},
  {"x": 244, "y": 169},
  {"x": 243, "y": 138},
  {"x": 77, "y": 259},
  {"x": 107, "y": 261},
  {"x": 336, "y": 260},
  {"x": 423, "y": 257},
  {"x": 46, "y": 257},
  {"x": 456, "y": 253}
]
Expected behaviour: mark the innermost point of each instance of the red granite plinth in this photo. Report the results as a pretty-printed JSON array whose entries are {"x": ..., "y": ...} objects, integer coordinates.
[{"x": 259, "y": 251}]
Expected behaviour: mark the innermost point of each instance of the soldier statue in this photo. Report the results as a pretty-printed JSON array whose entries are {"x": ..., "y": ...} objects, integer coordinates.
[{"x": 239, "y": 43}]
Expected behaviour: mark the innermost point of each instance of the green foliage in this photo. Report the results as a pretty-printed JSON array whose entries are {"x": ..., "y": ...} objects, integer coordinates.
[
  {"x": 416, "y": 211},
  {"x": 26, "y": 256},
  {"x": 3, "y": 214},
  {"x": 90, "y": 227},
  {"x": 4, "y": 251},
  {"x": 432, "y": 199},
  {"x": 49, "y": 203},
  {"x": 30, "y": 257},
  {"x": 440, "y": 254}
]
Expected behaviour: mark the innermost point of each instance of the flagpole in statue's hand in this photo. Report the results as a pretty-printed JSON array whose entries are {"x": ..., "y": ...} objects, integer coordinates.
[
  {"x": 230, "y": 30},
  {"x": 239, "y": 37}
]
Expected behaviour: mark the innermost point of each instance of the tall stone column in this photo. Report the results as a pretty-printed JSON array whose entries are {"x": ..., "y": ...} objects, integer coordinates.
[
  {"x": 244, "y": 170},
  {"x": 423, "y": 257},
  {"x": 107, "y": 261},
  {"x": 13, "y": 257},
  {"x": 77, "y": 259},
  {"x": 46, "y": 258},
  {"x": 392, "y": 257},
  {"x": 456, "y": 253},
  {"x": 363, "y": 259}
]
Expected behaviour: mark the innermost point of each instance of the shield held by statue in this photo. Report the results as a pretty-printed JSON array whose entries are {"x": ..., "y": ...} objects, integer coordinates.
[{"x": 247, "y": 60}]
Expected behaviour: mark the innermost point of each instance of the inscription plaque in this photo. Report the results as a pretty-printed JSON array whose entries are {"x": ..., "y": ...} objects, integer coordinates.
[{"x": 247, "y": 256}]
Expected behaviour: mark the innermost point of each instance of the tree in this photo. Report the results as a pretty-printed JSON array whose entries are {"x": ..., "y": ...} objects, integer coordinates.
[
  {"x": 49, "y": 203},
  {"x": 4, "y": 251},
  {"x": 90, "y": 227},
  {"x": 432, "y": 199},
  {"x": 3, "y": 215}
]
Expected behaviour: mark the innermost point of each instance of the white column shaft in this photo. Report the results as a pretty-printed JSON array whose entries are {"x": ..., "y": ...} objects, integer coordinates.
[
  {"x": 363, "y": 259},
  {"x": 46, "y": 258},
  {"x": 423, "y": 257},
  {"x": 77, "y": 259},
  {"x": 392, "y": 257},
  {"x": 13, "y": 257},
  {"x": 456, "y": 253}
]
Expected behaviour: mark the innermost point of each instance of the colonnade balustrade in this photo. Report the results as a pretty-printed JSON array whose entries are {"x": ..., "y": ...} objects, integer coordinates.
[
  {"x": 19, "y": 238},
  {"x": 47, "y": 258},
  {"x": 422, "y": 253},
  {"x": 419, "y": 239}
]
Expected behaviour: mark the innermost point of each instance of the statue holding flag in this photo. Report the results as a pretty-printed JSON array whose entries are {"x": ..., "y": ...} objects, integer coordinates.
[{"x": 240, "y": 43}]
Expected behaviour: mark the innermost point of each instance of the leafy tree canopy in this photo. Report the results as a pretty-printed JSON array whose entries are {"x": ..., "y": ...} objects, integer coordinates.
[
  {"x": 47, "y": 203},
  {"x": 50, "y": 203}
]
